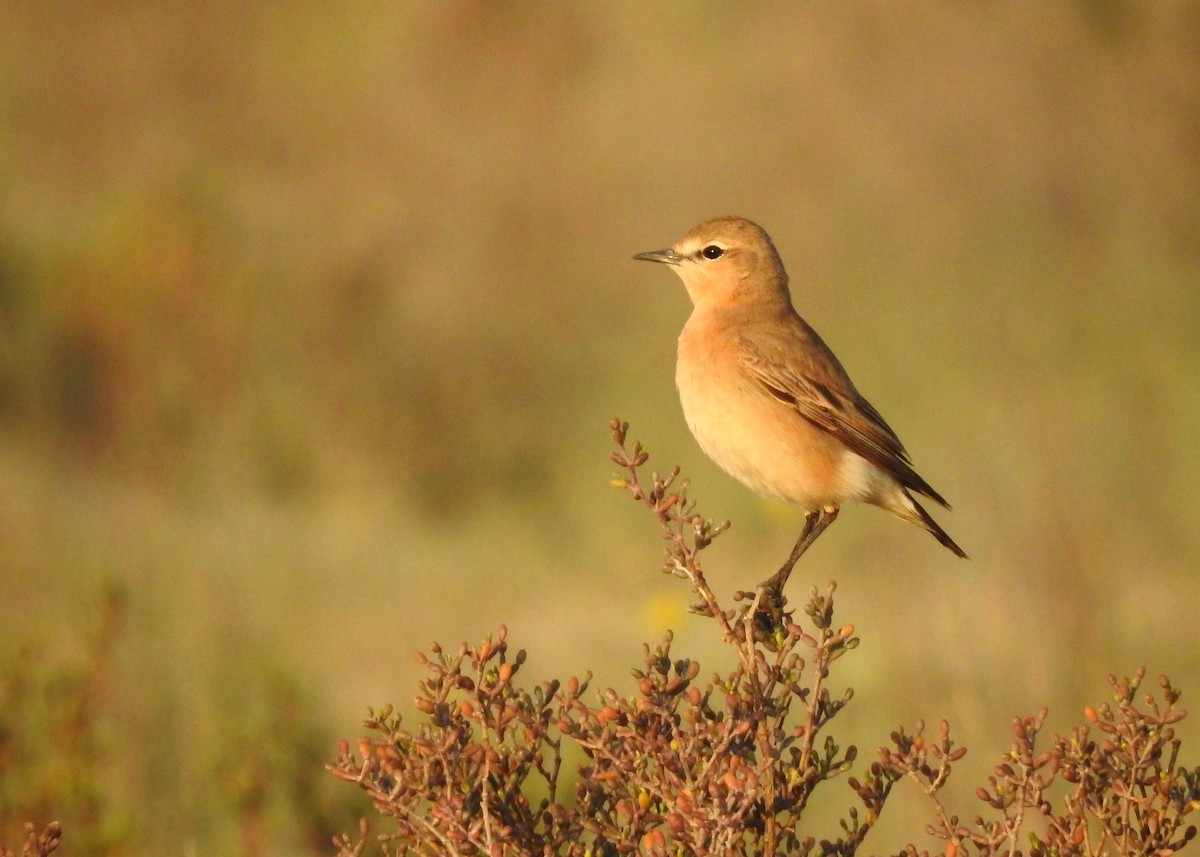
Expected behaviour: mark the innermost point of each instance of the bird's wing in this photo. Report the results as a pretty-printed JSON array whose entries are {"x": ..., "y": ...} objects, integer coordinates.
[{"x": 817, "y": 388}]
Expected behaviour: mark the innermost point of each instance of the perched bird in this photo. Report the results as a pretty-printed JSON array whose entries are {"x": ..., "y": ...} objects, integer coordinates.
[{"x": 768, "y": 401}]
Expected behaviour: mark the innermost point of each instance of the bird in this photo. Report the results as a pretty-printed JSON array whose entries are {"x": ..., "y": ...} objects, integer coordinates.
[{"x": 767, "y": 400}]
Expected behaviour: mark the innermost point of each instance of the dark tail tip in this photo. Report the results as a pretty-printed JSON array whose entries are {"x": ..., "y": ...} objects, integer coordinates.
[{"x": 937, "y": 532}]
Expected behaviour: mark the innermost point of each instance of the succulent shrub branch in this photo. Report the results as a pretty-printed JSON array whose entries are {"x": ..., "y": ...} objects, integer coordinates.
[{"x": 727, "y": 764}]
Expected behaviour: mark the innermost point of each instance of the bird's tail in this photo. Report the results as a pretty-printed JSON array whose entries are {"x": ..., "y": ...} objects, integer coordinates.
[{"x": 915, "y": 512}]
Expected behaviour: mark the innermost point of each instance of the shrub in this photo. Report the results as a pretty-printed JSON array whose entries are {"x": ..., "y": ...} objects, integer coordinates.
[{"x": 728, "y": 765}]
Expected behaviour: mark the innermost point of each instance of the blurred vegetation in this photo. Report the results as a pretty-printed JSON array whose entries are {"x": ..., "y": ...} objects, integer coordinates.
[
  {"x": 67, "y": 757},
  {"x": 311, "y": 320},
  {"x": 55, "y": 762}
]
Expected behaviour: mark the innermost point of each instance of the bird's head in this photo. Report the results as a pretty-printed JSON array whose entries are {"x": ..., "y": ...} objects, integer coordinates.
[{"x": 727, "y": 262}]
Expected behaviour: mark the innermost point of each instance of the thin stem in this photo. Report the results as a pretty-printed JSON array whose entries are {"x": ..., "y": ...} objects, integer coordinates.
[{"x": 820, "y": 667}]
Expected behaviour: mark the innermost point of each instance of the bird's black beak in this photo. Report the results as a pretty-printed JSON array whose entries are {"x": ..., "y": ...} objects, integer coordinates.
[{"x": 667, "y": 257}]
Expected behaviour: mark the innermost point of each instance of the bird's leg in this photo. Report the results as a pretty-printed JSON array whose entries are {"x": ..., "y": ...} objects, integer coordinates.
[
  {"x": 810, "y": 522},
  {"x": 769, "y": 603},
  {"x": 815, "y": 523}
]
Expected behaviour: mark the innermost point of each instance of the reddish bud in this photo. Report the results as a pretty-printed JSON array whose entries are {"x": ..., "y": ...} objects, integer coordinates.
[{"x": 654, "y": 841}]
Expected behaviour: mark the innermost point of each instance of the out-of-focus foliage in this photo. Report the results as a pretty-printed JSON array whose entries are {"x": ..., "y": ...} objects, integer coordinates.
[{"x": 313, "y": 317}]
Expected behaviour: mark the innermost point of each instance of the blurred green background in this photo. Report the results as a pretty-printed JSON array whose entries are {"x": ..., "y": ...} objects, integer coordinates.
[{"x": 312, "y": 318}]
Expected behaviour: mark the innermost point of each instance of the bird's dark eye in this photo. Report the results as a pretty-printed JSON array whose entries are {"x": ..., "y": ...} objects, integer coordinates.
[{"x": 712, "y": 251}]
